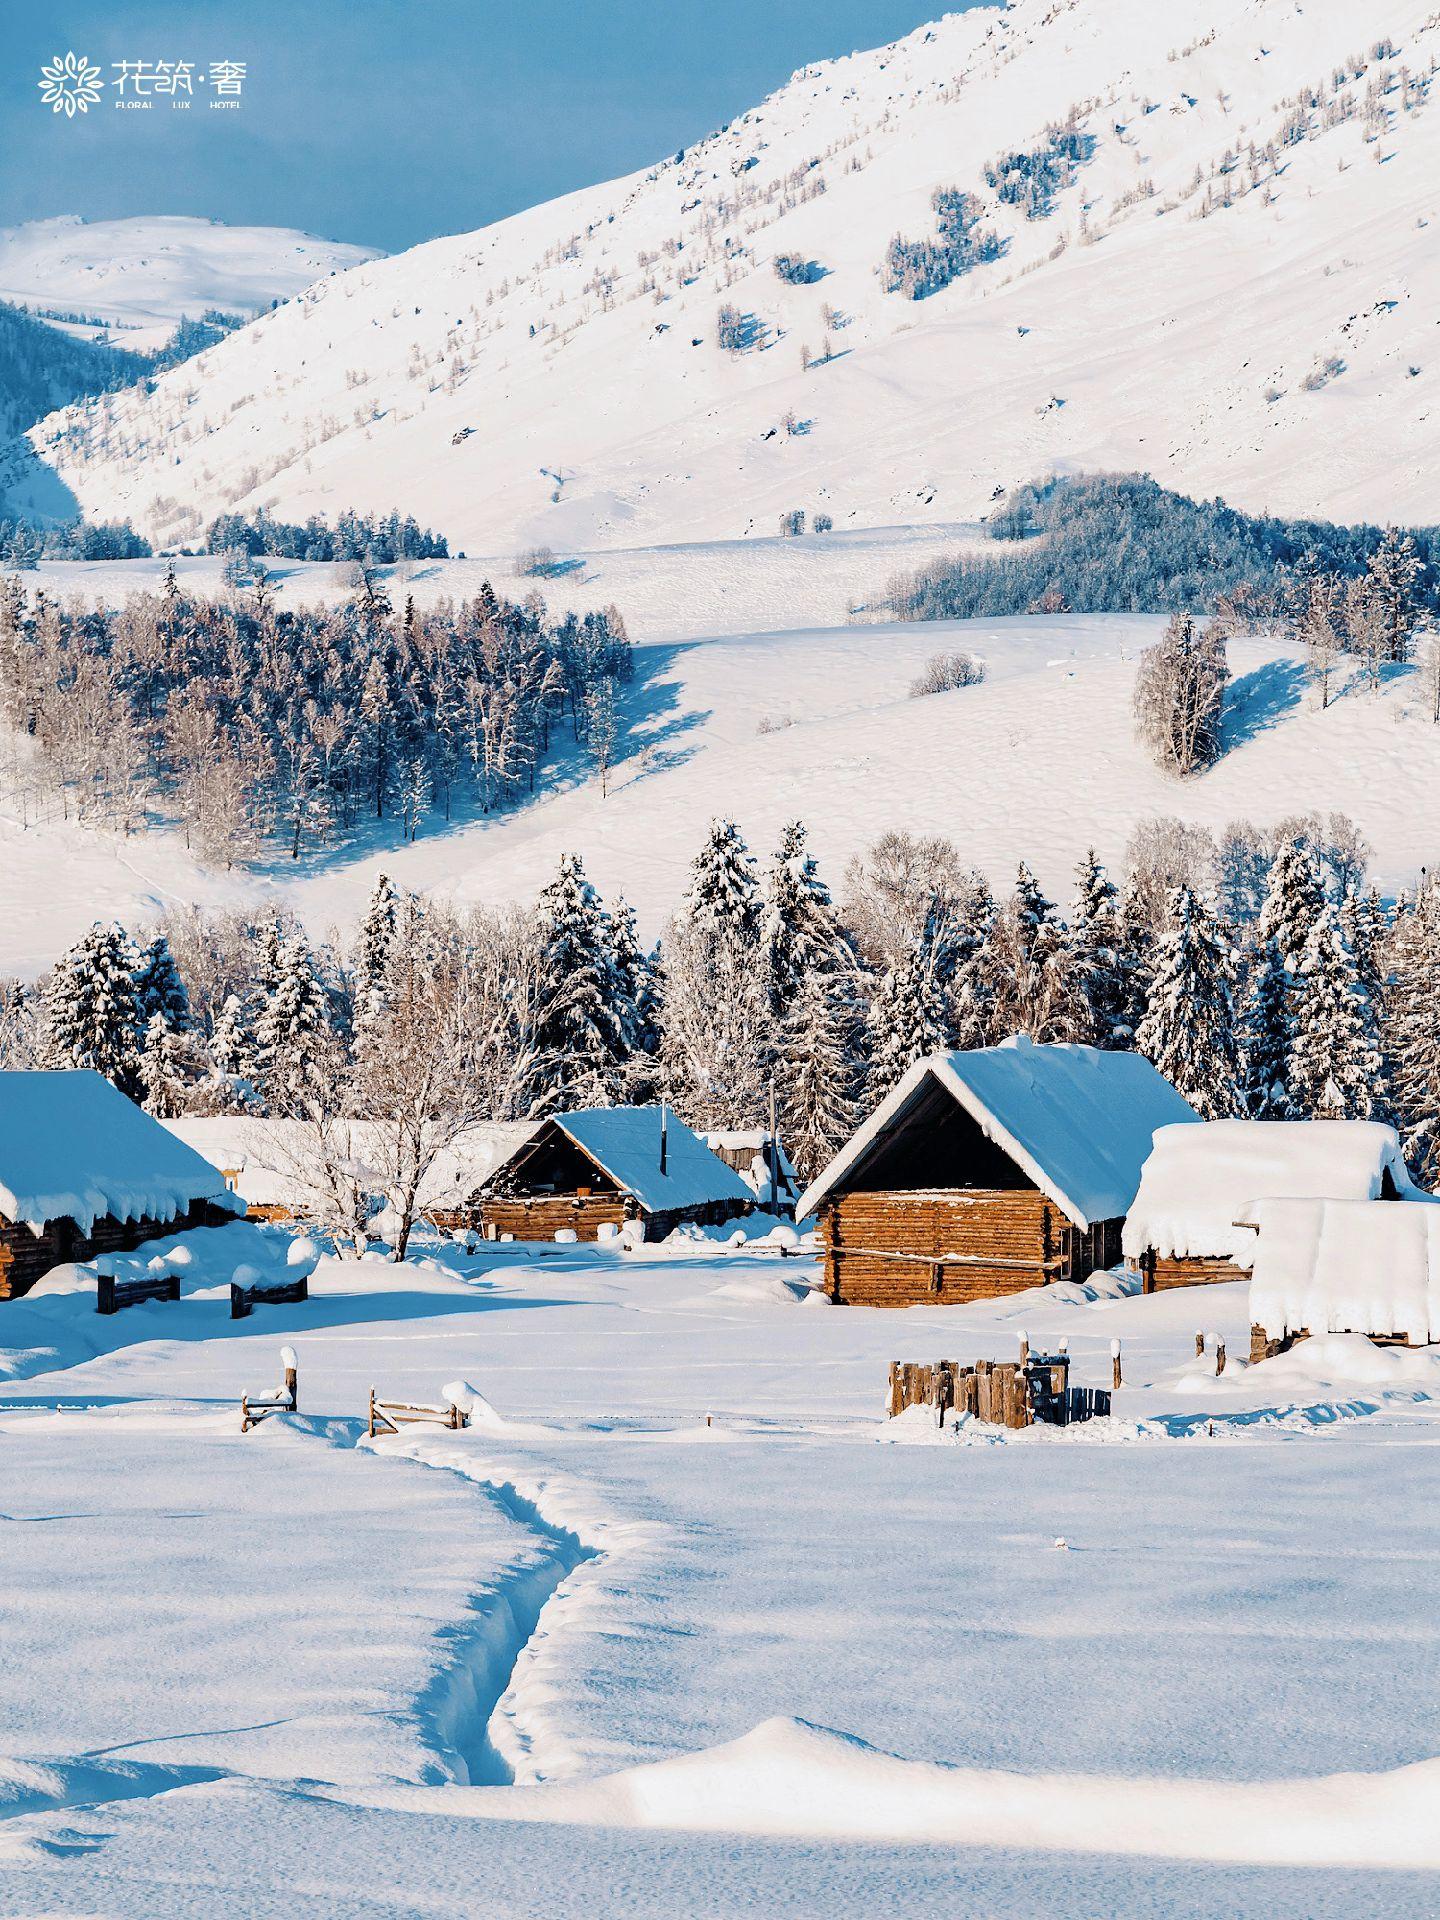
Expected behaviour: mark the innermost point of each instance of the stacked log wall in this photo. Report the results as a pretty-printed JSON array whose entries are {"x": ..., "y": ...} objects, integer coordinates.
[
  {"x": 1000, "y": 1242},
  {"x": 25, "y": 1256},
  {"x": 1198, "y": 1270}
]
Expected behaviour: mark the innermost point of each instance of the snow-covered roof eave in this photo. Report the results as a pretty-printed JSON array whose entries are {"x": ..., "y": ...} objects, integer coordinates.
[
  {"x": 935, "y": 1066},
  {"x": 725, "y": 1184}
]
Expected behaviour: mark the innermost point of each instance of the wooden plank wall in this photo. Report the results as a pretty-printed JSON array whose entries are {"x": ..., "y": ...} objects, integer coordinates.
[
  {"x": 1197, "y": 1271},
  {"x": 25, "y": 1256},
  {"x": 1005, "y": 1243},
  {"x": 543, "y": 1218}
]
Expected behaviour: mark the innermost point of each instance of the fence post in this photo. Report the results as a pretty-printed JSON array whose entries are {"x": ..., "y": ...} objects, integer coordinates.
[
  {"x": 895, "y": 1402},
  {"x": 1024, "y": 1348},
  {"x": 1219, "y": 1356},
  {"x": 372, "y": 1413},
  {"x": 292, "y": 1376},
  {"x": 105, "y": 1293},
  {"x": 1199, "y": 1342},
  {"x": 1116, "y": 1379}
]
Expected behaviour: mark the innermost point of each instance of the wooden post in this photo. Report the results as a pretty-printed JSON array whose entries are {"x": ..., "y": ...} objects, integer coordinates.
[
  {"x": 1199, "y": 1341},
  {"x": 1024, "y": 1348},
  {"x": 292, "y": 1387},
  {"x": 244, "y": 1413},
  {"x": 372, "y": 1413},
  {"x": 1116, "y": 1378},
  {"x": 105, "y": 1293},
  {"x": 894, "y": 1404},
  {"x": 1219, "y": 1356}
]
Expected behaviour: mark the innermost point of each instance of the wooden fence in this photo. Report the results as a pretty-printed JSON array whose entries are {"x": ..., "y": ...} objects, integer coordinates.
[
  {"x": 285, "y": 1400},
  {"x": 266, "y": 1293},
  {"x": 1003, "y": 1393},
  {"x": 112, "y": 1294},
  {"x": 388, "y": 1416}
]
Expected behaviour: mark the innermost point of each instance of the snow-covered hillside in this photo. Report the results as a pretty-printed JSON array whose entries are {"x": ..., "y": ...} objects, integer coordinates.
[
  {"x": 794, "y": 714},
  {"x": 1238, "y": 274},
  {"x": 140, "y": 276}
]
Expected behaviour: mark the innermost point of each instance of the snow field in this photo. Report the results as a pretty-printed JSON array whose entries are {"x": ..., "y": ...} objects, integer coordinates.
[{"x": 859, "y": 1651}]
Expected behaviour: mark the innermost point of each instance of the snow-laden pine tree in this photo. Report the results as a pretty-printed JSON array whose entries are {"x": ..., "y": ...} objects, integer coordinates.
[
  {"x": 909, "y": 1018},
  {"x": 1336, "y": 1068},
  {"x": 230, "y": 1085},
  {"x": 818, "y": 1073},
  {"x": 1412, "y": 1030},
  {"x": 637, "y": 993},
  {"x": 292, "y": 1027},
  {"x": 1189, "y": 1027},
  {"x": 1097, "y": 975},
  {"x": 1135, "y": 962},
  {"x": 970, "y": 925},
  {"x": 580, "y": 1041},
  {"x": 1180, "y": 696},
  {"x": 800, "y": 927},
  {"x": 719, "y": 1040},
  {"x": 166, "y": 1069},
  {"x": 92, "y": 1013},
  {"x": 1028, "y": 962},
  {"x": 159, "y": 990},
  {"x": 373, "y": 948},
  {"x": 1294, "y": 897},
  {"x": 1265, "y": 1034}
]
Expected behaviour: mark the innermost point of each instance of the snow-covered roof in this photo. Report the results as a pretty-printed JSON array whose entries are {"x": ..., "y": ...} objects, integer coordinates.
[
  {"x": 1200, "y": 1181},
  {"x": 625, "y": 1143},
  {"x": 750, "y": 1148},
  {"x": 72, "y": 1147},
  {"x": 1346, "y": 1266},
  {"x": 1078, "y": 1120},
  {"x": 269, "y": 1157}
]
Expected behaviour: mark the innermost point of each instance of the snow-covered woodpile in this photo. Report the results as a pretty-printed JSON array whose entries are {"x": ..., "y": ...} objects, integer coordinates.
[
  {"x": 989, "y": 1171},
  {"x": 1344, "y": 1266},
  {"x": 1193, "y": 1218},
  {"x": 85, "y": 1171},
  {"x": 602, "y": 1167}
]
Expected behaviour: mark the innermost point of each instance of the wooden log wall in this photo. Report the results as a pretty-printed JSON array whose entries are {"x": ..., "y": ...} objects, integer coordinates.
[
  {"x": 544, "y": 1217},
  {"x": 1199, "y": 1270},
  {"x": 1003, "y": 1393},
  {"x": 25, "y": 1256},
  {"x": 954, "y": 1245},
  {"x": 1262, "y": 1347}
]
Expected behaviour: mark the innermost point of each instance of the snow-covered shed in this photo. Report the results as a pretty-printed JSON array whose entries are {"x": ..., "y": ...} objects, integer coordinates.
[
  {"x": 85, "y": 1171},
  {"x": 1344, "y": 1266},
  {"x": 271, "y": 1163},
  {"x": 989, "y": 1171},
  {"x": 1192, "y": 1221},
  {"x": 603, "y": 1166},
  {"x": 760, "y": 1159}
]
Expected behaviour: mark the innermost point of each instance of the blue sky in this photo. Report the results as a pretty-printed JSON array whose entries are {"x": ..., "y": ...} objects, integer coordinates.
[{"x": 390, "y": 121}]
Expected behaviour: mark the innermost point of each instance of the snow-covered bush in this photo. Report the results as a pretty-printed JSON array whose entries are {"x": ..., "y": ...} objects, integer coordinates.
[
  {"x": 946, "y": 671},
  {"x": 796, "y": 271}
]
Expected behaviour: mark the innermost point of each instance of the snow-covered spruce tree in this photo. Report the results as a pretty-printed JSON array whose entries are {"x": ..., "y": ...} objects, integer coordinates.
[
  {"x": 1097, "y": 974},
  {"x": 800, "y": 927},
  {"x": 967, "y": 975},
  {"x": 92, "y": 1013},
  {"x": 1393, "y": 578},
  {"x": 718, "y": 1040},
  {"x": 1266, "y": 1033},
  {"x": 1294, "y": 898},
  {"x": 818, "y": 1077},
  {"x": 292, "y": 1027},
  {"x": 229, "y": 1087},
  {"x": 1335, "y": 1059},
  {"x": 580, "y": 1039},
  {"x": 637, "y": 1003},
  {"x": 1028, "y": 961},
  {"x": 1180, "y": 697},
  {"x": 166, "y": 1069},
  {"x": 1135, "y": 963},
  {"x": 1412, "y": 1030},
  {"x": 373, "y": 948},
  {"x": 159, "y": 990},
  {"x": 1189, "y": 1027},
  {"x": 909, "y": 1018}
]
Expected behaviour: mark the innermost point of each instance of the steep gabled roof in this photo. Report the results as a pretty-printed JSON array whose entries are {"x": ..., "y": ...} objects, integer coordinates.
[
  {"x": 73, "y": 1147},
  {"x": 624, "y": 1142},
  {"x": 1078, "y": 1120},
  {"x": 1199, "y": 1183}
]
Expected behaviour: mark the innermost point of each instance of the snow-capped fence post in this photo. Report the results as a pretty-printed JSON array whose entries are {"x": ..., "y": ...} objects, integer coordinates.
[
  {"x": 1199, "y": 1342},
  {"x": 1219, "y": 1355},
  {"x": 287, "y": 1400},
  {"x": 1116, "y": 1377},
  {"x": 1024, "y": 1348}
]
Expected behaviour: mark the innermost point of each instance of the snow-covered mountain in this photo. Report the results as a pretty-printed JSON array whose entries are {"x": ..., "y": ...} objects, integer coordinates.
[
  {"x": 140, "y": 276},
  {"x": 1225, "y": 275}
]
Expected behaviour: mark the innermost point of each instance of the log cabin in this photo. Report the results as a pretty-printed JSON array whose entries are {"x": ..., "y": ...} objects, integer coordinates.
[
  {"x": 84, "y": 1171},
  {"x": 760, "y": 1159},
  {"x": 1192, "y": 1223},
  {"x": 1344, "y": 1266},
  {"x": 273, "y": 1164},
  {"x": 609, "y": 1167},
  {"x": 986, "y": 1172}
]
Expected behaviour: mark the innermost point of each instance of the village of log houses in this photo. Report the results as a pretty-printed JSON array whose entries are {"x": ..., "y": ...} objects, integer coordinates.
[{"x": 720, "y": 961}]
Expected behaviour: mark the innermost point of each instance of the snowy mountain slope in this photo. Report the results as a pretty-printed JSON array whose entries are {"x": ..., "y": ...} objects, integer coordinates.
[
  {"x": 1254, "y": 209},
  {"x": 1039, "y": 762},
  {"x": 139, "y": 276}
]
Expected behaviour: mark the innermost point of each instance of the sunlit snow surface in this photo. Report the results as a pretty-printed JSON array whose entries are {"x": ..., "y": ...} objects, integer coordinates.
[{"x": 682, "y": 1625}]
